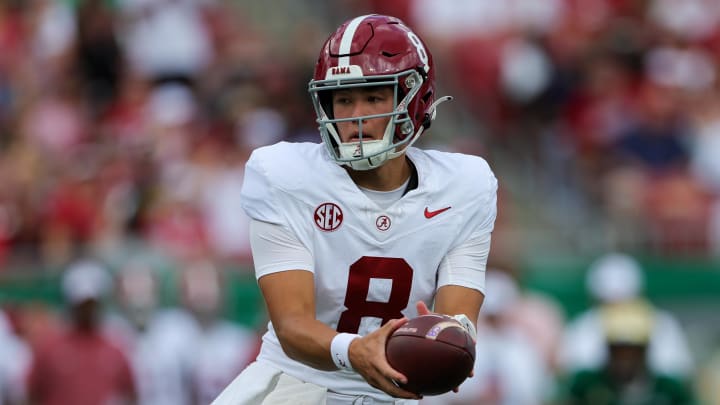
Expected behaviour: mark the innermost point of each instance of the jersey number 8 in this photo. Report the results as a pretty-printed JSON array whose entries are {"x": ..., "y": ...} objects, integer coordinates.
[{"x": 356, "y": 302}]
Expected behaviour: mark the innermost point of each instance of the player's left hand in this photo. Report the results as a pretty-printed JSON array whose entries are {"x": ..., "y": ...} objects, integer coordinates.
[{"x": 422, "y": 309}]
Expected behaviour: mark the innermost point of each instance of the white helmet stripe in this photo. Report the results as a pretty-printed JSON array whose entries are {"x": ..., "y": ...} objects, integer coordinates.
[{"x": 347, "y": 39}]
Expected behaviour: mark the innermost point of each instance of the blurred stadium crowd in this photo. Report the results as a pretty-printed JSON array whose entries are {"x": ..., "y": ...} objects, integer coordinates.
[{"x": 125, "y": 125}]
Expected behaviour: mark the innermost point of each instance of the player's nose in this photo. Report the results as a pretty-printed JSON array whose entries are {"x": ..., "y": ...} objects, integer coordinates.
[{"x": 360, "y": 109}]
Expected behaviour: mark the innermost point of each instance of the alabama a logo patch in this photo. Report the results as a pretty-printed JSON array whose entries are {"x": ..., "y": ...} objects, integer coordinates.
[
  {"x": 328, "y": 217},
  {"x": 382, "y": 223}
]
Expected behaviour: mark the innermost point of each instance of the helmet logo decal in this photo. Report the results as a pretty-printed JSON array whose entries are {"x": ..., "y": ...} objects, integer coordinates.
[
  {"x": 340, "y": 70},
  {"x": 344, "y": 72},
  {"x": 328, "y": 217},
  {"x": 382, "y": 223}
]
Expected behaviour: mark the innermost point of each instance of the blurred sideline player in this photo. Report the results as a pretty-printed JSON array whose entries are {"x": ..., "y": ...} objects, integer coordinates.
[
  {"x": 81, "y": 365},
  {"x": 16, "y": 355},
  {"x": 624, "y": 377},
  {"x": 617, "y": 278},
  {"x": 219, "y": 349},
  {"x": 353, "y": 236},
  {"x": 157, "y": 340}
]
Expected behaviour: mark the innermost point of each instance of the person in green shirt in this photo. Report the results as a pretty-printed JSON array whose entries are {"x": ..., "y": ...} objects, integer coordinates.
[{"x": 626, "y": 379}]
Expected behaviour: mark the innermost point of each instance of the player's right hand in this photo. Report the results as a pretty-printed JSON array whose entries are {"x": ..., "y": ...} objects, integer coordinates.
[{"x": 367, "y": 355}]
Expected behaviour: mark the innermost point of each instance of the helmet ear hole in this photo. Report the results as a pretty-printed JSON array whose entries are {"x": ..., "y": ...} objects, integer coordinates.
[
  {"x": 325, "y": 98},
  {"x": 427, "y": 120}
]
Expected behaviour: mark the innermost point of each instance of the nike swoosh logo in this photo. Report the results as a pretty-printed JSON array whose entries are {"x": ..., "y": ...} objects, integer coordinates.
[{"x": 429, "y": 214}]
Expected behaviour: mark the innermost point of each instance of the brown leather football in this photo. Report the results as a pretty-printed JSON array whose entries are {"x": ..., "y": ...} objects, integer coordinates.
[{"x": 434, "y": 352}]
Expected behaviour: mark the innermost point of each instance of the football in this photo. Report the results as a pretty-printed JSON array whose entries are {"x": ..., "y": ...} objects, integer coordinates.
[{"x": 434, "y": 352}]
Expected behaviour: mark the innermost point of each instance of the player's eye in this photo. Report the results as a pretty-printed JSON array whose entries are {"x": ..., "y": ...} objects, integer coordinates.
[{"x": 344, "y": 100}]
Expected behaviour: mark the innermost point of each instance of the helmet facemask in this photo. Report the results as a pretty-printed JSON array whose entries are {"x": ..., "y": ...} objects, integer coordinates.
[{"x": 399, "y": 133}]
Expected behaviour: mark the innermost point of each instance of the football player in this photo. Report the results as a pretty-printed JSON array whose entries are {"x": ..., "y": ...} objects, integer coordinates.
[{"x": 353, "y": 236}]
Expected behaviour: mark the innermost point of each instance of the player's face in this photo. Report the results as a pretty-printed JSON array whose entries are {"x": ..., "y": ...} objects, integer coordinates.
[
  {"x": 626, "y": 361},
  {"x": 360, "y": 101}
]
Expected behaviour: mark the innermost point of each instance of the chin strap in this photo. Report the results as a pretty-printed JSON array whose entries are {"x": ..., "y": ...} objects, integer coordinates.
[{"x": 430, "y": 117}]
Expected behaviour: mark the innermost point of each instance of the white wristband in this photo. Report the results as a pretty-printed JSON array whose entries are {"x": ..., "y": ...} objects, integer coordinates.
[
  {"x": 467, "y": 324},
  {"x": 339, "y": 350}
]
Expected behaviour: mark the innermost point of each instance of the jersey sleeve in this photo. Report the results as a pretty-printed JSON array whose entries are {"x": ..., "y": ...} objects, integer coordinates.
[
  {"x": 485, "y": 202},
  {"x": 276, "y": 249},
  {"x": 466, "y": 261},
  {"x": 259, "y": 196},
  {"x": 276, "y": 235},
  {"x": 465, "y": 265}
]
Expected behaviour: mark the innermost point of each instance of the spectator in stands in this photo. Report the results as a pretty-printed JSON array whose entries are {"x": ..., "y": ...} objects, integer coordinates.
[{"x": 166, "y": 40}]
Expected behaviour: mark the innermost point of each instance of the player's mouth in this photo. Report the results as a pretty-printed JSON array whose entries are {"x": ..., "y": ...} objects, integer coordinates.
[{"x": 356, "y": 137}]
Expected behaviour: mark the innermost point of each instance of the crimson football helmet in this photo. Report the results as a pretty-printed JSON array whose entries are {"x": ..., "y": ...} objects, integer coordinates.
[{"x": 375, "y": 50}]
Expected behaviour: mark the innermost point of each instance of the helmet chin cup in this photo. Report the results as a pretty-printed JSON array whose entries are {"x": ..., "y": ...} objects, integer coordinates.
[
  {"x": 369, "y": 163},
  {"x": 364, "y": 155}
]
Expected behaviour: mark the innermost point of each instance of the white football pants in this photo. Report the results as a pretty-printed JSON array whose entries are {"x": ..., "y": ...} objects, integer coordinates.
[{"x": 261, "y": 384}]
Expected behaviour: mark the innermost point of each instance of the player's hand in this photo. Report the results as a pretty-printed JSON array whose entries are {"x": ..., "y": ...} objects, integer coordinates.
[
  {"x": 457, "y": 389},
  {"x": 471, "y": 375},
  {"x": 422, "y": 309},
  {"x": 367, "y": 355}
]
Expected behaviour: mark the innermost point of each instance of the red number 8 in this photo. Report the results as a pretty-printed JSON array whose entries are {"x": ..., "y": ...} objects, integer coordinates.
[{"x": 364, "y": 269}]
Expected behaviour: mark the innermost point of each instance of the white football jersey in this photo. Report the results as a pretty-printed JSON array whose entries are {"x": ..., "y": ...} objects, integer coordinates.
[{"x": 370, "y": 264}]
